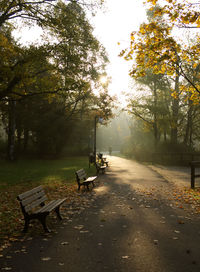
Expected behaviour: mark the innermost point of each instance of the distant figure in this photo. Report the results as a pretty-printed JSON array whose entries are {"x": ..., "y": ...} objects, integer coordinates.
[
  {"x": 110, "y": 150},
  {"x": 91, "y": 158}
]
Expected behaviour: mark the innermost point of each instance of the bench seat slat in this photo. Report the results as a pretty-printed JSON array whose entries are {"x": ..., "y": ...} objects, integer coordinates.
[
  {"x": 91, "y": 178},
  {"x": 51, "y": 205}
]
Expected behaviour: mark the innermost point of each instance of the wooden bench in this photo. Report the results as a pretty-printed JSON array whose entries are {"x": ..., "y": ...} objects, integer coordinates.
[
  {"x": 82, "y": 179},
  {"x": 33, "y": 206},
  {"x": 104, "y": 161},
  {"x": 100, "y": 167},
  {"x": 194, "y": 164}
]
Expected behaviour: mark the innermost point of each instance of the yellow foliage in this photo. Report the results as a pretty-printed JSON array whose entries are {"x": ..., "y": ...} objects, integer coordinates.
[
  {"x": 152, "y": 1},
  {"x": 198, "y": 22},
  {"x": 154, "y": 47}
]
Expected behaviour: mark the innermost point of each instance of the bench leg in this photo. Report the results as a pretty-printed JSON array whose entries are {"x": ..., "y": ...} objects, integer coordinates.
[
  {"x": 57, "y": 210},
  {"x": 42, "y": 220},
  {"x": 26, "y": 224}
]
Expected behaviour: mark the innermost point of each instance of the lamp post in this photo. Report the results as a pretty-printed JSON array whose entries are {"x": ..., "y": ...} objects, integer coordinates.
[
  {"x": 95, "y": 137},
  {"x": 96, "y": 119}
]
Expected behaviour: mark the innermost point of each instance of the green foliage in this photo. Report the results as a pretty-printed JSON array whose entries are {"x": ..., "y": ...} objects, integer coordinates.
[
  {"x": 62, "y": 73},
  {"x": 140, "y": 142},
  {"x": 36, "y": 11},
  {"x": 168, "y": 147}
]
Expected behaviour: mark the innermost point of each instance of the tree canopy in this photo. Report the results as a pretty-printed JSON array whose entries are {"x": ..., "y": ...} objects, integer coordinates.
[
  {"x": 35, "y": 10},
  {"x": 155, "y": 47},
  {"x": 181, "y": 13},
  {"x": 166, "y": 68},
  {"x": 55, "y": 78}
]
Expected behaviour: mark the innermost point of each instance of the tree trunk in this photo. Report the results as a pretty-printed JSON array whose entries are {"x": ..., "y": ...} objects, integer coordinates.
[
  {"x": 155, "y": 124},
  {"x": 19, "y": 135},
  {"x": 11, "y": 130},
  {"x": 26, "y": 139},
  {"x": 188, "y": 124},
  {"x": 175, "y": 111},
  {"x": 165, "y": 135}
]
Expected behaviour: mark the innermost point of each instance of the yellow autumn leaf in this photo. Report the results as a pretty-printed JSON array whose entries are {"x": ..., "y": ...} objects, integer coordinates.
[
  {"x": 198, "y": 22},
  {"x": 152, "y": 1},
  {"x": 142, "y": 31},
  {"x": 132, "y": 38}
]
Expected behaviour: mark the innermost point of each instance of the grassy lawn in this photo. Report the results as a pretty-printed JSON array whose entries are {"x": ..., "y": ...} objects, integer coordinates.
[
  {"x": 57, "y": 177},
  {"x": 34, "y": 172}
]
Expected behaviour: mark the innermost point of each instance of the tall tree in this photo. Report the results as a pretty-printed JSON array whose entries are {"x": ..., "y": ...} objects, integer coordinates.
[
  {"x": 154, "y": 47},
  {"x": 68, "y": 64}
]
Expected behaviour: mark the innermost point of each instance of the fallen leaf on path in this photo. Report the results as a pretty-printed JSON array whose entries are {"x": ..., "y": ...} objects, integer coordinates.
[
  {"x": 155, "y": 242},
  {"x": 79, "y": 227},
  {"x": 64, "y": 243},
  {"x": 46, "y": 259},
  {"x": 125, "y": 257}
]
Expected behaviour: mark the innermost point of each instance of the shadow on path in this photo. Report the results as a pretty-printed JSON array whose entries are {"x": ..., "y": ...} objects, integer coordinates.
[{"x": 128, "y": 223}]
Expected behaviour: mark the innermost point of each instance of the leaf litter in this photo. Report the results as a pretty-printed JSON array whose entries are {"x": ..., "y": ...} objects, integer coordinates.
[{"x": 11, "y": 218}]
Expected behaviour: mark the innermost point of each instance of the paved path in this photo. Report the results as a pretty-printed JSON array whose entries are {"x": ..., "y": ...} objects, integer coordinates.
[{"x": 129, "y": 223}]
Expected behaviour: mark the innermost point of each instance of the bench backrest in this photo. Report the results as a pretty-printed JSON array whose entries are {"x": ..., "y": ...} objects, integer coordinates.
[
  {"x": 81, "y": 175},
  {"x": 31, "y": 199},
  {"x": 98, "y": 165}
]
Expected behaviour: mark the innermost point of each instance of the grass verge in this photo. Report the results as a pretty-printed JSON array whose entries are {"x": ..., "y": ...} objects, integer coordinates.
[{"x": 56, "y": 176}]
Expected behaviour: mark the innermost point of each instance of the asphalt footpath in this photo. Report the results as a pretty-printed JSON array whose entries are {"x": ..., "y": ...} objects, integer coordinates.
[{"x": 130, "y": 222}]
